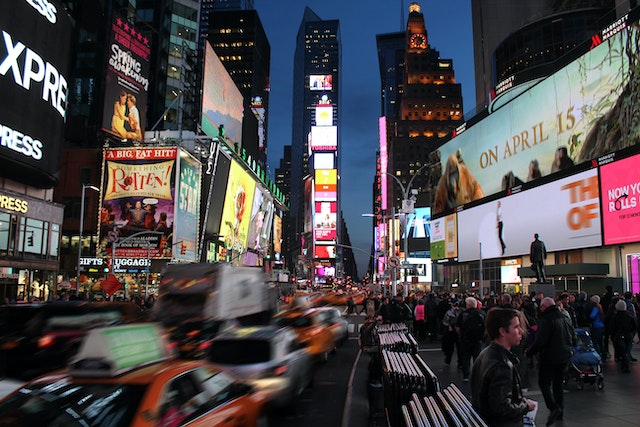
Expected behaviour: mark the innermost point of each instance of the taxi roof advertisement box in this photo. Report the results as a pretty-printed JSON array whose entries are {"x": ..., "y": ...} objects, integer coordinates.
[{"x": 34, "y": 78}]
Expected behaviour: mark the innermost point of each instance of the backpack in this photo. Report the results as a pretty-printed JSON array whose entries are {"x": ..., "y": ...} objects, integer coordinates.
[{"x": 472, "y": 326}]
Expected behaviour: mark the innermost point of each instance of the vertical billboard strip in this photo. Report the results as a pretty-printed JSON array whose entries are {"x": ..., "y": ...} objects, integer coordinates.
[
  {"x": 261, "y": 220},
  {"x": 187, "y": 217},
  {"x": 565, "y": 213},
  {"x": 236, "y": 213},
  {"x": 34, "y": 82},
  {"x": 138, "y": 195},
  {"x": 127, "y": 82},
  {"x": 620, "y": 184}
]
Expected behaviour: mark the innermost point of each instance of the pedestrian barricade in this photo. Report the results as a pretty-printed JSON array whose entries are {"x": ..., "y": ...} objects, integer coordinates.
[
  {"x": 446, "y": 408},
  {"x": 397, "y": 341}
]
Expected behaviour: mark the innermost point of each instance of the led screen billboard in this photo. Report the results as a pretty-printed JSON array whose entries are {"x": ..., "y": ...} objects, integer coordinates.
[
  {"x": 320, "y": 82},
  {"x": 565, "y": 213},
  {"x": 222, "y": 102},
  {"x": 324, "y": 115},
  {"x": 138, "y": 194},
  {"x": 186, "y": 225},
  {"x": 277, "y": 234},
  {"x": 261, "y": 219},
  {"x": 326, "y": 184},
  {"x": 324, "y": 138},
  {"x": 325, "y": 218},
  {"x": 324, "y": 161},
  {"x": 236, "y": 212},
  {"x": 620, "y": 185},
  {"x": 325, "y": 252},
  {"x": 444, "y": 238},
  {"x": 126, "y": 82},
  {"x": 561, "y": 121},
  {"x": 34, "y": 82}
]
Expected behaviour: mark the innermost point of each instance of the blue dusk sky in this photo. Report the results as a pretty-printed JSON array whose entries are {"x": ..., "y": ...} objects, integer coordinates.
[{"x": 449, "y": 30}]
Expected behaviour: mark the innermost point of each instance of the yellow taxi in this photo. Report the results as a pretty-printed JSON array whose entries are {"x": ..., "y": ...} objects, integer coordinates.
[
  {"x": 312, "y": 327},
  {"x": 125, "y": 376}
]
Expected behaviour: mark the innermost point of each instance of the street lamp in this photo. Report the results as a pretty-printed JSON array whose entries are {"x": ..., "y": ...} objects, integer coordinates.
[
  {"x": 84, "y": 187},
  {"x": 407, "y": 208}
]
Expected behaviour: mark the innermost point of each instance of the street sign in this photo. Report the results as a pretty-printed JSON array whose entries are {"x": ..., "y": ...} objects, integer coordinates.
[{"x": 394, "y": 262}]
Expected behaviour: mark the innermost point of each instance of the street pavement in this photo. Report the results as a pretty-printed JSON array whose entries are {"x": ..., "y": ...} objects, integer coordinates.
[{"x": 616, "y": 405}]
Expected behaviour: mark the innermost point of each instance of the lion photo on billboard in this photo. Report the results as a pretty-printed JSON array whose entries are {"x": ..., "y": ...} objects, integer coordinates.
[{"x": 456, "y": 186}]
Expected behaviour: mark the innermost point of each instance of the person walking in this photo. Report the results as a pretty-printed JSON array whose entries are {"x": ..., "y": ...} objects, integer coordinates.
[
  {"x": 538, "y": 254},
  {"x": 419, "y": 320},
  {"x": 596, "y": 315},
  {"x": 495, "y": 382},
  {"x": 622, "y": 329},
  {"x": 555, "y": 340},
  {"x": 450, "y": 340},
  {"x": 470, "y": 330}
]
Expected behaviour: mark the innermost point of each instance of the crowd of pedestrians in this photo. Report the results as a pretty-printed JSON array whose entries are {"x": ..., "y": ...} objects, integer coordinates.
[{"x": 545, "y": 335}]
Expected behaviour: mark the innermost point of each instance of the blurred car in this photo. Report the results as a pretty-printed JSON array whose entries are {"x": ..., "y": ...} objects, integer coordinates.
[
  {"x": 38, "y": 338},
  {"x": 312, "y": 327},
  {"x": 124, "y": 376},
  {"x": 269, "y": 358},
  {"x": 337, "y": 323}
]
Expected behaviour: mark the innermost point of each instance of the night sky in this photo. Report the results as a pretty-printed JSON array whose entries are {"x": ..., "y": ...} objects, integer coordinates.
[{"x": 449, "y": 31}]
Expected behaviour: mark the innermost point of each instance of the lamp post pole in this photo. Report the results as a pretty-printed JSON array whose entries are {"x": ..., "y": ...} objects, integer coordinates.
[
  {"x": 407, "y": 208},
  {"x": 84, "y": 187}
]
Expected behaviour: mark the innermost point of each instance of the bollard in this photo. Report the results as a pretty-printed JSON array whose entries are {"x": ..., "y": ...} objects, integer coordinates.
[{"x": 376, "y": 399}]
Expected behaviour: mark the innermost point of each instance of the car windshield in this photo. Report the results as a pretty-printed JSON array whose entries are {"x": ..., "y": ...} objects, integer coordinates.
[
  {"x": 240, "y": 352},
  {"x": 65, "y": 404},
  {"x": 294, "y": 322}
]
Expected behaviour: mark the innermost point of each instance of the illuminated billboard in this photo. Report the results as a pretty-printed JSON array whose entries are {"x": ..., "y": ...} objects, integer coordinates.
[
  {"x": 138, "y": 195},
  {"x": 444, "y": 238},
  {"x": 565, "y": 213},
  {"x": 236, "y": 213},
  {"x": 324, "y": 138},
  {"x": 324, "y": 115},
  {"x": 320, "y": 82},
  {"x": 126, "y": 82},
  {"x": 34, "y": 82},
  {"x": 261, "y": 219},
  {"x": 620, "y": 185},
  {"x": 324, "y": 161},
  {"x": 187, "y": 222},
  {"x": 325, "y": 218},
  {"x": 277, "y": 234},
  {"x": 325, "y": 252},
  {"x": 222, "y": 102},
  {"x": 561, "y": 121},
  {"x": 326, "y": 184}
]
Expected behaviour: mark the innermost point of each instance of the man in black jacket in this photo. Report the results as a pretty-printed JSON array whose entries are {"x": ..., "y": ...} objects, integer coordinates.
[
  {"x": 555, "y": 340},
  {"x": 495, "y": 383}
]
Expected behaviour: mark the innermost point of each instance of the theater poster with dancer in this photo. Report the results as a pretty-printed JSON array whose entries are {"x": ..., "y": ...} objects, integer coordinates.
[
  {"x": 138, "y": 195},
  {"x": 127, "y": 82}
]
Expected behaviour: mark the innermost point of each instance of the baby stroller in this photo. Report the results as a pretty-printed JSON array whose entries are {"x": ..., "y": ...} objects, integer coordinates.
[{"x": 586, "y": 364}]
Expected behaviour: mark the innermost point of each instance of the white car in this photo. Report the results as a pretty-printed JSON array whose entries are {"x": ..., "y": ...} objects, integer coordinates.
[{"x": 270, "y": 358}]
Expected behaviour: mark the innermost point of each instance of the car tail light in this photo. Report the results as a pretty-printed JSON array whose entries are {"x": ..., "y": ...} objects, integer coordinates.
[
  {"x": 315, "y": 331},
  {"x": 204, "y": 345},
  {"x": 194, "y": 333},
  {"x": 280, "y": 370},
  {"x": 46, "y": 341}
]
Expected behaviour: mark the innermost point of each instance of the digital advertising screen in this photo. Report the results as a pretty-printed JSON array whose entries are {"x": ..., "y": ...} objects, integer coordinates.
[
  {"x": 324, "y": 138},
  {"x": 620, "y": 185},
  {"x": 558, "y": 122},
  {"x": 324, "y": 115},
  {"x": 565, "y": 213},
  {"x": 138, "y": 195},
  {"x": 236, "y": 213},
  {"x": 444, "y": 238},
  {"x": 277, "y": 234},
  {"x": 324, "y": 161},
  {"x": 320, "y": 82},
  {"x": 34, "y": 81},
  {"x": 509, "y": 271},
  {"x": 222, "y": 102},
  {"x": 187, "y": 222},
  {"x": 261, "y": 220},
  {"x": 325, "y": 219},
  {"x": 126, "y": 82},
  {"x": 325, "y": 252},
  {"x": 326, "y": 184}
]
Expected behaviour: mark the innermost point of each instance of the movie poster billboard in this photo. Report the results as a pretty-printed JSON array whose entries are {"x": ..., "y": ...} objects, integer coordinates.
[
  {"x": 325, "y": 218},
  {"x": 620, "y": 185},
  {"x": 261, "y": 220},
  {"x": 277, "y": 234},
  {"x": 565, "y": 213},
  {"x": 222, "y": 102},
  {"x": 186, "y": 224},
  {"x": 236, "y": 212},
  {"x": 138, "y": 196},
  {"x": 34, "y": 81},
  {"x": 126, "y": 82},
  {"x": 561, "y": 121}
]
